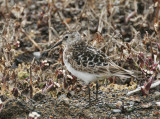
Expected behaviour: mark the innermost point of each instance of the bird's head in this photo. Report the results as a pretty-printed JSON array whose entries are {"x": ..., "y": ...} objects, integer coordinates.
[{"x": 69, "y": 38}]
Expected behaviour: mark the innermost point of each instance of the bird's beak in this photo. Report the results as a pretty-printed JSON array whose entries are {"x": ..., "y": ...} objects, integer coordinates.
[{"x": 59, "y": 43}]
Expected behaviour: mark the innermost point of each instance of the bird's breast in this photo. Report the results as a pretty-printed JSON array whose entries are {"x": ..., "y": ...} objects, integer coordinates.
[{"x": 86, "y": 77}]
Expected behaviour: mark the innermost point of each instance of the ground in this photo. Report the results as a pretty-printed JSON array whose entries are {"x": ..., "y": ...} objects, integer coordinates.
[{"x": 35, "y": 82}]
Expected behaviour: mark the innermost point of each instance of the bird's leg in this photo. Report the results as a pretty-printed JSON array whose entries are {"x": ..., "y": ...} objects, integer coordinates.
[
  {"x": 89, "y": 94},
  {"x": 97, "y": 86},
  {"x": 64, "y": 81}
]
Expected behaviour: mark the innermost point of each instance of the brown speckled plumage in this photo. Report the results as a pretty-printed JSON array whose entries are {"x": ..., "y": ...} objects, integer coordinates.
[{"x": 88, "y": 59}]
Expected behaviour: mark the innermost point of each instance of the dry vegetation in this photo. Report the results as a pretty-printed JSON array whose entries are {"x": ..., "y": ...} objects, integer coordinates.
[{"x": 33, "y": 78}]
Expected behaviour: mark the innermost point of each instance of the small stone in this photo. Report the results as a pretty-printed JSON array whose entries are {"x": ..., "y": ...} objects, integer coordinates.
[
  {"x": 114, "y": 118},
  {"x": 157, "y": 95},
  {"x": 119, "y": 104},
  {"x": 158, "y": 104},
  {"x": 131, "y": 103},
  {"x": 100, "y": 105},
  {"x": 156, "y": 113},
  {"x": 62, "y": 97},
  {"x": 37, "y": 55},
  {"x": 38, "y": 97},
  {"x": 127, "y": 40},
  {"x": 110, "y": 106},
  {"x": 116, "y": 111},
  {"x": 50, "y": 116},
  {"x": 130, "y": 109},
  {"x": 146, "y": 105},
  {"x": 135, "y": 98},
  {"x": 77, "y": 104},
  {"x": 34, "y": 115},
  {"x": 66, "y": 100}
]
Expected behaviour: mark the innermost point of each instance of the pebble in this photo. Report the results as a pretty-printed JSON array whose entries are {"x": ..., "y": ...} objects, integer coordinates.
[
  {"x": 77, "y": 105},
  {"x": 116, "y": 111},
  {"x": 127, "y": 40},
  {"x": 119, "y": 104},
  {"x": 130, "y": 109},
  {"x": 114, "y": 118},
  {"x": 110, "y": 106},
  {"x": 156, "y": 113},
  {"x": 62, "y": 97},
  {"x": 66, "y": 101},
  {"x": 146, "y": 105},
  {"x": 131, "y": 103},
  {"x": 100, "y": 105},
  {"x": 34, "y": 115},
  {"x": 158, "y": 104},
  {"x": 157, "y": 95},
  {"x": 99, "y": 92}
]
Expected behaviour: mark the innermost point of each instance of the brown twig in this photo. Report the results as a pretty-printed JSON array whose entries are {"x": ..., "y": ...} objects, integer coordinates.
[
  {"x": 100, "y": 26},
  {"x": 35, "y": 44},
  {"x": 50, "y": 24},
  {"x": 64, "y": 21}
]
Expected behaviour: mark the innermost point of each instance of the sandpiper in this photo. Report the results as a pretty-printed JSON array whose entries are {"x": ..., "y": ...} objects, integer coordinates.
[{"x": 87, "y": 63}]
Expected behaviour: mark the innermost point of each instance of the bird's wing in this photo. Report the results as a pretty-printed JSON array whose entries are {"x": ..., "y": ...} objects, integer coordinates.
[{"x": 88, "y": 59}]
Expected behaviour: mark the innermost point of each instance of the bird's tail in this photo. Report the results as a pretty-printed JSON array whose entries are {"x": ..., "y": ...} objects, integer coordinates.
[{"x": 121, "y": 72}]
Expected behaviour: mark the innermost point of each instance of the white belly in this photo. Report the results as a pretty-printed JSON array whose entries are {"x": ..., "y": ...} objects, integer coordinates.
[{"x": 86, "y": 77}]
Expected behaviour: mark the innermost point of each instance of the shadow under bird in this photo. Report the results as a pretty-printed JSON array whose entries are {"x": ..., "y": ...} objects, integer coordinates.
[{"x": 87, "y": 63}]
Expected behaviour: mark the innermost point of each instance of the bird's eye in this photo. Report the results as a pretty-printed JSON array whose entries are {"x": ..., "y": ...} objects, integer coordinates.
[{"x": 66, "y": 37}]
